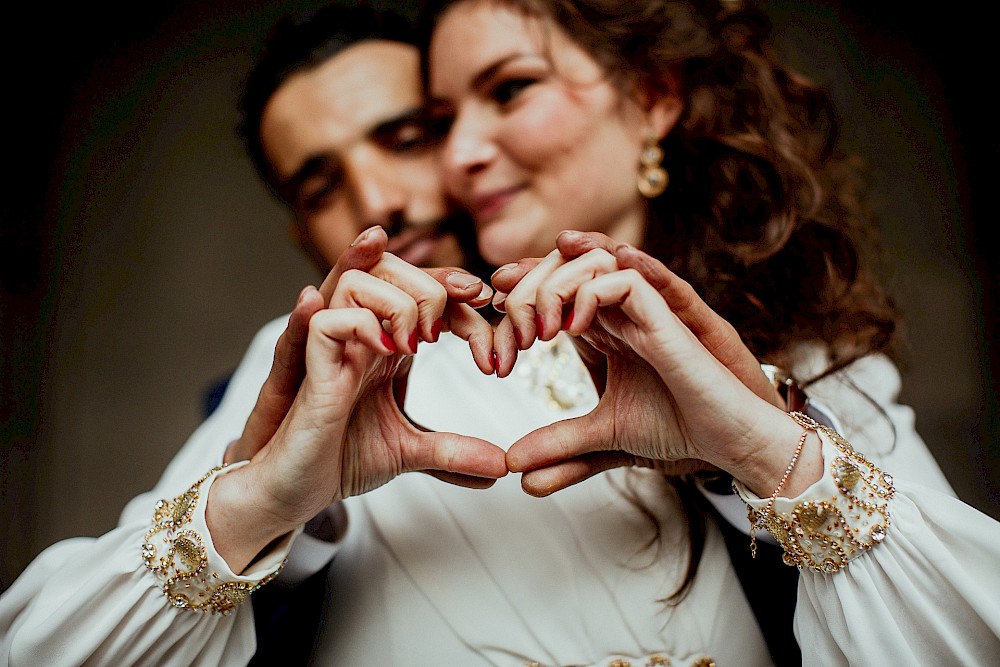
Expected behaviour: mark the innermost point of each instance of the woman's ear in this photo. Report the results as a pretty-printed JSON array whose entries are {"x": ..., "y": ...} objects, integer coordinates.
[{"x": 663, "y": 105}]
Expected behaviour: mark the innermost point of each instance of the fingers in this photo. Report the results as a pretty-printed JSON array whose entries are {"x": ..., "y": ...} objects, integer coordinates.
[
  {"x": 282, "y": 384},
  {"x": 461, "y": 286},
  {"x": 714, "y": 332},
  {"x": 340, "y": 325},
  {"x": 454, "y": 457},
  {"x": 520, "y": 301},
  {"x": 361, "y": 255},
  {"x": 561, "y": 441},
  {"x": 463, "y": 321},
  {"x": 572, "y": 244},
  {"x": 548, "y": 480},
  {"x": 468, "y": 481},
  {"x": 507, "y": 276},
  {"x": 560, "y": 288}
]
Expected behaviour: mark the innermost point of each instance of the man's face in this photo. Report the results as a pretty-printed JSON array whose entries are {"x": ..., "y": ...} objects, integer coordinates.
[{"x": 350, "y": 149}]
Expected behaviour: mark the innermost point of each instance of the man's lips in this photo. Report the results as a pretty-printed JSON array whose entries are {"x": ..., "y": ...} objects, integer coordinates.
[{"x": 415, "y": 244}]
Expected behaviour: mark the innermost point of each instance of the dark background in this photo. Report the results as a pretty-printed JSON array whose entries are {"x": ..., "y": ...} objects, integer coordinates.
[{"x": 139, "y": 254}]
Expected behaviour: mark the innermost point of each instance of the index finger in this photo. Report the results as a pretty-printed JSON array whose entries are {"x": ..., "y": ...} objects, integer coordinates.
[{"x": 363, "y": 254}]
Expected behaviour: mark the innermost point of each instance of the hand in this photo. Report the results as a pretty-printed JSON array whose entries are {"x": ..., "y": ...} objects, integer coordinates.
[
  {"x": 343, "y": 433},
  {"x": 673, "y": 396}
]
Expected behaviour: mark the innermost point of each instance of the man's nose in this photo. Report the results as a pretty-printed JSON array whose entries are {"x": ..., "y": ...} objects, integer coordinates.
[{"x": 378, "y": 194}]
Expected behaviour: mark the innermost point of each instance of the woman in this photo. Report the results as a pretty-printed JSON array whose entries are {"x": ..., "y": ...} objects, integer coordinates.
[{"x": 667, "y": 126}]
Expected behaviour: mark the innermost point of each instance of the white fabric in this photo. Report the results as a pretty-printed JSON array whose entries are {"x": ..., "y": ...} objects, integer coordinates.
[{"x": 430, "y": 574}]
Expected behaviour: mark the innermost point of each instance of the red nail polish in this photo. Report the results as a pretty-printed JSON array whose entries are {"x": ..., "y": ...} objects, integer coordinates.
[
  {"x": 436, "y": 329},
  {"x": 539, "y": 325},
  {"x": 387, "y": 341},
  {"x": 412, "y": 341},
  {"x": 493, "y": 362},
  {"x": 568, "y": 322},
  {"x": 518, "y": 340}
]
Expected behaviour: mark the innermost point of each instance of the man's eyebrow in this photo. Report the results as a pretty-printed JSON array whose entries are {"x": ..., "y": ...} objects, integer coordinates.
[{"x": 414, "y": 114}]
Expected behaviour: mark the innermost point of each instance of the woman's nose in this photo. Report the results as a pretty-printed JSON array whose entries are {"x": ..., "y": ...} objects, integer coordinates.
[{"x": 469, "y": 147}]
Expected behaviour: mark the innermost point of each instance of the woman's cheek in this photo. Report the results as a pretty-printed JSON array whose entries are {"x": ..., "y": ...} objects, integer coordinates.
[{"x": 540, "y": 131}]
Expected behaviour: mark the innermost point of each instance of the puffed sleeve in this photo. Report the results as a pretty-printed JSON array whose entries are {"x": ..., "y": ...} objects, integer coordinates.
[
  {"x": 102, "y": 601},
  {"x": 892, "y": 572}
]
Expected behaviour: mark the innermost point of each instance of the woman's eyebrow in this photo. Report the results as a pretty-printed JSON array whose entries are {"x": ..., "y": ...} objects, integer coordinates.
[{"x": 489, "y": 72}]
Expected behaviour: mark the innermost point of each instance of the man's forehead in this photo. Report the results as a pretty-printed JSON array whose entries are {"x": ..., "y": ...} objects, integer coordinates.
[
  {"x": 363, "y": 74},
  {"x": 340, "y": 101}
]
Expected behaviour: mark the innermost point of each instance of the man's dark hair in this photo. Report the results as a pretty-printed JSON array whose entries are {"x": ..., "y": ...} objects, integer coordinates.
[{"x": 300, "y": 42}]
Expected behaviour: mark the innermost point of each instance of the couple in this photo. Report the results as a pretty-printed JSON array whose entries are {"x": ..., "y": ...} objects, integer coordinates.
[{"x": 664, "y": 136}]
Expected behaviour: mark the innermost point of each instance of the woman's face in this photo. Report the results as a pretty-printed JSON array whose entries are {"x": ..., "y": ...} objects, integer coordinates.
[{"x": 541, "y": 141}]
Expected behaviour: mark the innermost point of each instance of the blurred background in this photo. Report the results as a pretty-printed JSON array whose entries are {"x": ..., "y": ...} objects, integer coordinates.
[{"x": 139, "y": 253}]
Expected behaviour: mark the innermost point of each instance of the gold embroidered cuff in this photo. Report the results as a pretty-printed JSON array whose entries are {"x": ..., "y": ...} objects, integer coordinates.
[
  {"x": 840, "y": 517},
  {"x": 178, "y": 550}
]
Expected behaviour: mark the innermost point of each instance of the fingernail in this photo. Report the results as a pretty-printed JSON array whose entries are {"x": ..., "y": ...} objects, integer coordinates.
[
  {"x": 485, "y": 293},
  {"x": 412, "y": 341},
  {"x": 505, "y": 267},
  {"x": 518, "y": 339},
  {"x": 568, "y": 322},
  {"x": 493, "y": 362},
  {"x": 302, "y": 294},
  {"x": 539, "y": 325},
  {"x": 387, "y": 341},
  {"x": 361, "y": 237},
  {"x": 436, "y": 329},
  {"x": 462, "y": 280}
]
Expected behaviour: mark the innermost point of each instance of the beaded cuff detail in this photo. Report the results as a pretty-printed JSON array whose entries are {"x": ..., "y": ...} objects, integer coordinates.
[
  {"x": 177, "y": 554},
  {"x": 840, "y": 517}
]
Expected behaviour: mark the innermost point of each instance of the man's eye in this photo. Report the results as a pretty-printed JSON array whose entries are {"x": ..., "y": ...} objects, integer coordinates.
[
  {"x": 314, "y": 193},
  {"x": 409, "y": 135},
  {"x": 505, "y": 91}
]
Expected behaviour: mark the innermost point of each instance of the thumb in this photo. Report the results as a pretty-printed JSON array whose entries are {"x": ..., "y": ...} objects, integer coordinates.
[
  {"x": 453, "y": 457},
  {"x": 562, "y": 441}
]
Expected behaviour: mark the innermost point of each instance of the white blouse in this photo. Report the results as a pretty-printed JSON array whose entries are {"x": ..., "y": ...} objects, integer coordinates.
[{"x": 430, "y": 574}]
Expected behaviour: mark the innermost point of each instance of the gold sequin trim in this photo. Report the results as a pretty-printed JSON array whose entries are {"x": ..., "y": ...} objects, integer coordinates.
[
  {"x": 824, "y": 535},
  {"x": 657, "y": 660},
  {"x": 177, "y": 557}
]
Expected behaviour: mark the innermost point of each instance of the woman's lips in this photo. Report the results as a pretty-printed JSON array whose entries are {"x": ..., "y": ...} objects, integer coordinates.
[{"x": 489, "y": 205}]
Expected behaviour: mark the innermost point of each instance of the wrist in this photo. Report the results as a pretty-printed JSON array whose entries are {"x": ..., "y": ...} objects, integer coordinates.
[
  {"x": 775, "y": 458},
  {"x": 240, "y": 524}
]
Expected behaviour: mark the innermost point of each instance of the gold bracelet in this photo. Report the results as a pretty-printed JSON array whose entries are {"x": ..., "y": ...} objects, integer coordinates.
[
  {"x": 181, "y": 561},
  {"x": 757, "y": 522},
  {"x": 844, "y": 514}
]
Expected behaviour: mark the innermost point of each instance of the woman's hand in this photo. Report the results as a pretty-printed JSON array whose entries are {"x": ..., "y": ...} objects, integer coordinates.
[
  {"x": 678, "y": 381},
  {"x": 327, "y": 424}
]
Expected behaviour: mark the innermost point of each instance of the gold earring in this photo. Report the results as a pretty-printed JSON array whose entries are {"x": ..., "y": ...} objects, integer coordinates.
[{"x": 653, "y": 178}]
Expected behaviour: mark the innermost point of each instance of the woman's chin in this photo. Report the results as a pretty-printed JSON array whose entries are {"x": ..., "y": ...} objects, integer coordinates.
[
  {"x": 501, "y": 244},
  {"x": 511, "y": 237}
]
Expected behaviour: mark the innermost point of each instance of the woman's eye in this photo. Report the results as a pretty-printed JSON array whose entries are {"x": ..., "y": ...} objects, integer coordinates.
[{"x": 506, "y": 91}]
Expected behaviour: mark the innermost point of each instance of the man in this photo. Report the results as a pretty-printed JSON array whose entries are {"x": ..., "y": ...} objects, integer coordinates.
[{"x": 333, "y": 121}]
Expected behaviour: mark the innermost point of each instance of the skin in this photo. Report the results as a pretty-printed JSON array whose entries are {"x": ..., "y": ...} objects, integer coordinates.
[
  {"x": 534, "y": 121},
  {"x": 348, "y": 150}
]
